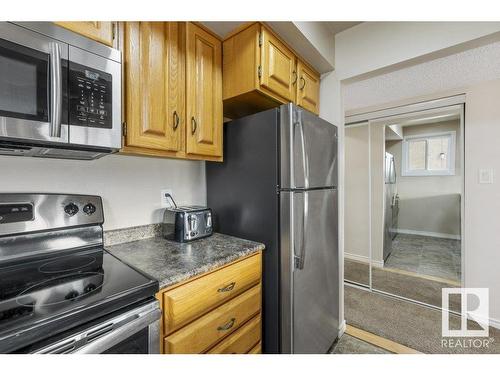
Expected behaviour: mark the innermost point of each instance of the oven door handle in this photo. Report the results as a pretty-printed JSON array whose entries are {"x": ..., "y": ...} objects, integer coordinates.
[
  {"x": 139, "y": 321},
  {"x": 104, "y": 336},
  {"x": 55, "y": 90}
]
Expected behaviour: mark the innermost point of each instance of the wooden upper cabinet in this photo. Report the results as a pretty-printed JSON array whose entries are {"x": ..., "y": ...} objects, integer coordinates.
[
  {"x": 100, "y": 31},
  {"x": 307, "y": 88},
  {"x": 203, "y": 92},
  {"x": 154, "y": 85},
  {"x": 277, "y": 67},
  {"x": 261, "y": 72}
]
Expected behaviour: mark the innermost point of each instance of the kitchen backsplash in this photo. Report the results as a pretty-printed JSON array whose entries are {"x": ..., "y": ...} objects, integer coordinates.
[{"x": 118, "y": 236}]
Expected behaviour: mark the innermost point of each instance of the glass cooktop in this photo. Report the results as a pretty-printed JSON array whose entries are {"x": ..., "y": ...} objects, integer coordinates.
[{"x": 61, "y": 292}]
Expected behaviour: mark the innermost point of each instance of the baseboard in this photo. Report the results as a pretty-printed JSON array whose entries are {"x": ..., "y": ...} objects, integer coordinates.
[
  {"x": 342, "y": 328},
  {"x": 363, "y": 259},
  {"x": 429, "y": 234},
  {"x": 495, "y": 323}
]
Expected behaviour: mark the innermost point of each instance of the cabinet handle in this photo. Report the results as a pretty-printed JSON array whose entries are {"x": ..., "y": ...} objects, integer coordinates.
[
  {"x": 303, "y": 83},
  {"x": 227, "y": 288},
  {"x": 176, "y": 120},
  {"x": 227, "y": 326},
  {"x": 193, "y": 125},
  {"x": 295, "y": 77}
]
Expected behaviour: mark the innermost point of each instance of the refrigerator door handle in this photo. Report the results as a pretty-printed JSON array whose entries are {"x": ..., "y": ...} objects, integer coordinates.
[
  {"x": 305, "y": 161},
  {"x": 300, "y": 257}
]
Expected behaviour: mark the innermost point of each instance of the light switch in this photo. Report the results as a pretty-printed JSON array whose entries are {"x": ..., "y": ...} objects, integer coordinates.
[{"x": 486, "y": 176}]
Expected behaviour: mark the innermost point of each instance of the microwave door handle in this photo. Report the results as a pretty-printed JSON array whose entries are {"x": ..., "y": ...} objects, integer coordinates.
[{"x": 55, "y": 90}]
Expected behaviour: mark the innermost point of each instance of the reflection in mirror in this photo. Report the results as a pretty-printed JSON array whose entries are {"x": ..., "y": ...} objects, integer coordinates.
[
  {"x": 416, "y": 206},
  {"x": 356, "y": 243}
]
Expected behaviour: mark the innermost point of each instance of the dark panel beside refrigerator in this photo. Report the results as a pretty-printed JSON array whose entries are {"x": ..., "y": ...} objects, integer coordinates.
[{"x": 242, "y": 192}]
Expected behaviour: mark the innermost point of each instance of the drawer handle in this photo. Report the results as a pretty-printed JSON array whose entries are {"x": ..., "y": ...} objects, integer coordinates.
[
  {"x": 227, "y": 288},
  {"x": 227, "y": 326}
]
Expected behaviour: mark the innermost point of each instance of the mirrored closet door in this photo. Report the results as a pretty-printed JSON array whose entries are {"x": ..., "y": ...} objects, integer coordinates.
[
  {"x": 403, "y": 191},
  {"x": 357, "y": 214}
]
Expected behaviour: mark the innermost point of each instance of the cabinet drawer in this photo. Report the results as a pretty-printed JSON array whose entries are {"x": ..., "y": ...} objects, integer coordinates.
[
  {"x": 243, "y": 340},
  {"x": 206, "y": 331},
  {"x": 189, "y": 301},
  {"x": 257, "y": 349}
]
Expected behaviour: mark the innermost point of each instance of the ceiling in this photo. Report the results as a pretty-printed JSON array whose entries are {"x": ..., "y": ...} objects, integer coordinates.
[
  {"x": 336, "y": 27},
  {"x": 223, "y": 28}
]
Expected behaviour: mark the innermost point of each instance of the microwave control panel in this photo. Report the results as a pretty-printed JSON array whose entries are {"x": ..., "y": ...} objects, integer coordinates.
[{"x": 90, "y": 97}]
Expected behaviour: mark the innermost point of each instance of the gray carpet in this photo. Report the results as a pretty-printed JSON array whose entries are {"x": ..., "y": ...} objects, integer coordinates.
[
  {"x": 356, "y": 272},
  {"x": 412, "y": 287},
  {"x": 407, "y": 323},
  {"x": 352, "y": 345}
]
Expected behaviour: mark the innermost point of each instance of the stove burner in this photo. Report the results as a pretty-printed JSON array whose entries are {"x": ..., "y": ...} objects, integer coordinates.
[
  {"x": 67, "y": 264},
  {"x": 62, "y": 289}
]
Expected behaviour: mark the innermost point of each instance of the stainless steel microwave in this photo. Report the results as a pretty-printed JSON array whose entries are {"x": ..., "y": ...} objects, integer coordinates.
[{"x": 60, "y": 93}]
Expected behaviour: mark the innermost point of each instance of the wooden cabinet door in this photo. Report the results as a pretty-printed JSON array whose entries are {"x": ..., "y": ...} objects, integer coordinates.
[
  {"x": 101, "y": 31},
  {"x": 154, "y": 85},
  {"x": 203, "y": 92},
  {"x": 277, "y": 67},
  {"x": 307, "y": 88}
]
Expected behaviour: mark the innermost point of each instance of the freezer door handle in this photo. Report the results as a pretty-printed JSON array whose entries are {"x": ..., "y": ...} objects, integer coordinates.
[
  {"x": 299, "y": 257},
  {"x": 305, "y": 161}
]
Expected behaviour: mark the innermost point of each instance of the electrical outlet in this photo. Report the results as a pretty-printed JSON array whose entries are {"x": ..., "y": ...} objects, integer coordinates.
[{"x": 165, "y": 202}]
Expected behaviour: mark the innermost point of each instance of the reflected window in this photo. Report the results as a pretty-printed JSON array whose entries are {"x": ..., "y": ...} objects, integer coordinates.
[{"x": 429, "y": 155}]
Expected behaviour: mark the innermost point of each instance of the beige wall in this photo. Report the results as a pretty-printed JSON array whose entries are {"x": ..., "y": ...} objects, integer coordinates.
[
  {"x": 356, "y": 192},
  {"x": 429, "y": 203}
]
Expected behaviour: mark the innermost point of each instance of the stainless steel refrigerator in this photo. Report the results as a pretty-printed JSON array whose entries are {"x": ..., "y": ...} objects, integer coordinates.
[
  {"x": 278, "y": 185},
  {"x": 391, "y": 199}
]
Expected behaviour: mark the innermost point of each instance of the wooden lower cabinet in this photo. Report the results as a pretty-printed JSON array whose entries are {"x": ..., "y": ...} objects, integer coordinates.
[
  {"x": 257, "y": 349},
  {"x": 218, "y": 312},
  {"x": 242, "y": 341}
]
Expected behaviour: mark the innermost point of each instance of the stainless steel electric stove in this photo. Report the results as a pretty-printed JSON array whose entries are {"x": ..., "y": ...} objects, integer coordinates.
[{"x": 60, "y": 290}]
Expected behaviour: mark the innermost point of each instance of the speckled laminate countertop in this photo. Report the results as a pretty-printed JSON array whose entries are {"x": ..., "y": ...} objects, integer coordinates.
[{"x": 172, "y": 262}]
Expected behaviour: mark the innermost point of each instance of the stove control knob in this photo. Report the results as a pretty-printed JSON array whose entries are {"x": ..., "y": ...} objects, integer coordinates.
[
  {"x": 89, "y": 208},
  {"x": 71, "y": 209}
]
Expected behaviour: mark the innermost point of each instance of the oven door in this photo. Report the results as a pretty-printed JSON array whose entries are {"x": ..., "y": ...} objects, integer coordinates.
[
  {"x": 33, "y": 75},
  {"x": 136, "y": 331}
]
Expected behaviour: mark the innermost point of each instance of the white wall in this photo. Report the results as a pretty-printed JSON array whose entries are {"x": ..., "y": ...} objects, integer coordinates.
[
  {"x": 482, "y": 131},
  {"x": 331, "y": 109},
  {"x": 458, "y": 70},
  {"x": 130, "y": 186},
  {"x": 482, "y": 202},
  {"x": 371, "y": 46}
]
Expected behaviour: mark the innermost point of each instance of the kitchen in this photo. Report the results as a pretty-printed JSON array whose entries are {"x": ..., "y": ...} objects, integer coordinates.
[
  {"x": 176, "y": 187},
  {"x": 63, "y": 107}
]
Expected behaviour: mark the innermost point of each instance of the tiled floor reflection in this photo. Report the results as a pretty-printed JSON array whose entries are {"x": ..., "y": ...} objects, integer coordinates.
[{"x": 438, "y": 257}]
